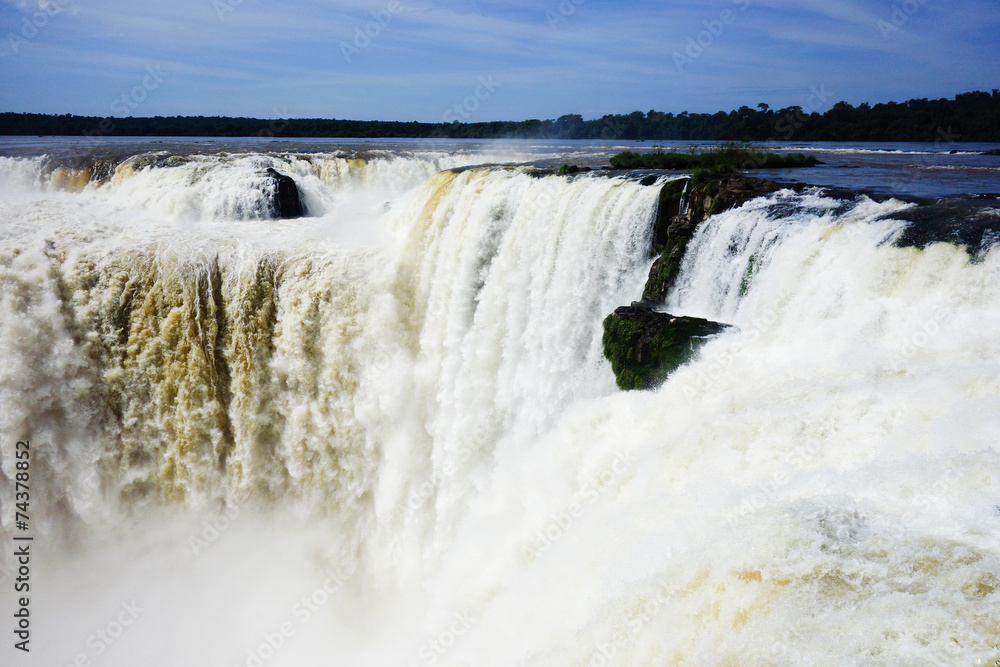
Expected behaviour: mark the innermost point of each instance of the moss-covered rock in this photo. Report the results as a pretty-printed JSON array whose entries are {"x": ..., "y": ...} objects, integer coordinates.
[
  {"x": 667, "y": 266},
  {"x": 752, "y": 266},
  {"x": 645, "y": 346},
  {"x": 671, "y": 201},
  {"x": 570, "y": 169}
]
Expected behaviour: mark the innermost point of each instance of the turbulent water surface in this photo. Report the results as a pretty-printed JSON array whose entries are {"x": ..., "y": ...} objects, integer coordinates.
[{"x": 385, "y": 433}]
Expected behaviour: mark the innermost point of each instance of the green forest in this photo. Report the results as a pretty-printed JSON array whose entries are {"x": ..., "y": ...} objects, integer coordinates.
[{"x": 973, "y": 116}]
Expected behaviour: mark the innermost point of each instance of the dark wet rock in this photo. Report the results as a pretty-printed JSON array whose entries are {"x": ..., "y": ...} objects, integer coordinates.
[
  {"x": 645, "y": 346},
  {"x": 286, "y": 202},
  {"x": 995, "y": 151},
  {"x": 972, "y": 222}
]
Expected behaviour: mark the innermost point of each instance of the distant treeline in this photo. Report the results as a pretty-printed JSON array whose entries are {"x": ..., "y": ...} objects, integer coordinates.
[{"x": 971, "y": 116}]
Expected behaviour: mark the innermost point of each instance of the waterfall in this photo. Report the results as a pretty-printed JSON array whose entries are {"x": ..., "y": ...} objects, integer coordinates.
[
  {"x": 386, "y": 433},
  {"x": 208, "y": 369}
]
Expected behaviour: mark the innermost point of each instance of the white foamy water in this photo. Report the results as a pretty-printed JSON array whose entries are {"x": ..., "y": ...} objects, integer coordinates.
[{"x": 386, "y": 434}]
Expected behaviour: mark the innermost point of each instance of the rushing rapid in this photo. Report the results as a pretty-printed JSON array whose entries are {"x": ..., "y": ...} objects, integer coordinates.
[{"x": 385, "y": 433}]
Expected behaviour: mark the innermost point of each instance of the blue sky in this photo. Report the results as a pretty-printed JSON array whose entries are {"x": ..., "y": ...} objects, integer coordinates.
[{"x": 495, "y": 60}]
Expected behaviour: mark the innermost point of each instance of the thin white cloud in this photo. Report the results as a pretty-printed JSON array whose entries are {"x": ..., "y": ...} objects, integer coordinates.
[
  {"x": 117, "y": 65},
  {"x": 851, "y": 11},
  {"x": 50, "y": 7}
]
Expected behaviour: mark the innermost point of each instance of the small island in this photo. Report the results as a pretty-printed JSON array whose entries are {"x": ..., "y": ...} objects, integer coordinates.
[{"x": 727, "y": 157}]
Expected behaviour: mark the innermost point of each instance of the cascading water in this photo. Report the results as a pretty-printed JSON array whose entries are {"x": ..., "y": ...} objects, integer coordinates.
[{"x": 387, "y": 434}]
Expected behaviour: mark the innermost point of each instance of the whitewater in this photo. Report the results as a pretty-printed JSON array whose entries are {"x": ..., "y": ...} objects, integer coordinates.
[{"x": 386, "y": 433}]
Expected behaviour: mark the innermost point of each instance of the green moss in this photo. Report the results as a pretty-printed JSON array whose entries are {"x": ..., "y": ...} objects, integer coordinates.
[
  {"x": 664, "y": 271},
  {"x": 752, "y": 266},
  {"x": 620, "y": 340},
  {"x": 673, "y": 347},
  {"x": 717, "y": 206},
  {"x": 632, "y": 379},
  {"x": 676, "y": 187},
  {"x": 673, "y": 189},
  {"x": 642, "y": 366},
  {"x": 696, "y": 207}
]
